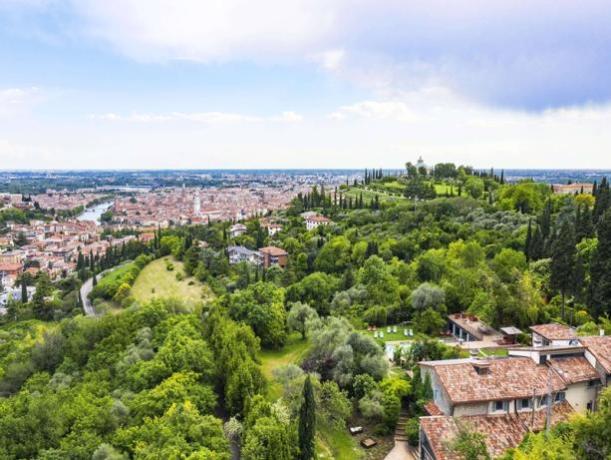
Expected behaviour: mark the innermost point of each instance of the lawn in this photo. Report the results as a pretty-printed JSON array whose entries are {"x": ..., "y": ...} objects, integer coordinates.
[
  {"x": 330, "y": 443},
  {"x": 493, "y": 352},
  {"x": 156, "y": 281},
  {"x": 292, "y": 353}
]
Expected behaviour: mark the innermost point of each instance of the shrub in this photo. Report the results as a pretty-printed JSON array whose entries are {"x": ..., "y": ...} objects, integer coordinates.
[{"x": 412, "y": 431}]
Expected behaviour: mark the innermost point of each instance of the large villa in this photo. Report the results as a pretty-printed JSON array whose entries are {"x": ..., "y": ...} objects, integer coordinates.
[{"x": 504, "y": 398}]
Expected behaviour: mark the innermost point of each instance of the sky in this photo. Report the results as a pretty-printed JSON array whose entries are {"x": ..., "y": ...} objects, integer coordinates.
[{"x": 173, "y": 84}]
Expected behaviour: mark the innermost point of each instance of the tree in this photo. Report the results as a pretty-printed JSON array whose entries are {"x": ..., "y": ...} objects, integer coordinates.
[
  {"x": 298, "y": 317},
  {"x": 600, "y": 269},
  {"x": 261, "y": 305},
  {"x": 24, "y": 291},
  {"x": 307, "y": 422},
  {"x": 563, "y": 262},
  {"x": 428, "y": 295},
  {"x": 42, "y": 304}
]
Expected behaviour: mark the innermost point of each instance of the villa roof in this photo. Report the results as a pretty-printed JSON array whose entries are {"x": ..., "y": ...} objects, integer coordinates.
[
  {"x": 554, "y": 331},
  {"x": 600, "y": 347},
  {"x": 501, "y": 432},
  {"x": 273, "y": 251},
  {"x": 505, "y": 378},
  {"x": 574, "y": 369}
]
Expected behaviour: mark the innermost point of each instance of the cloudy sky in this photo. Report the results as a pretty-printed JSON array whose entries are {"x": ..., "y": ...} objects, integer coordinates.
[{"x": 304, "y": 83}]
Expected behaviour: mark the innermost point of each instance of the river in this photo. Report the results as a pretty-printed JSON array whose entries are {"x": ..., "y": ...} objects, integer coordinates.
[{"x": 95, "y": 212}]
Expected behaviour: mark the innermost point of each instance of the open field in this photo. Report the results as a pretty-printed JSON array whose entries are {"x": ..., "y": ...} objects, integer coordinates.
[{"x": 156, "y": 281}]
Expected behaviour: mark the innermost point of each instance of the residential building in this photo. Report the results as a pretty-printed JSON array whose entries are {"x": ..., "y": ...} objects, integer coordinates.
[
  {"x": 505, "y": 397},
  {"x": 239, "y": 254},
  {"x": 237, "y": 230},
  {"x": 316, "y": 221},
  {"x": 274, "y": 256}
]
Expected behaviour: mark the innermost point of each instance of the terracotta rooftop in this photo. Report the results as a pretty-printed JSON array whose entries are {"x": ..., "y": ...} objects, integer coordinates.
[
  {"x": 574, "y": 369},
  {"x": 600, "y": 347},
  {"x": 432, "y": 409},
  {"x": 273, "y": 251},
  {"x": 502, "y": 432},
  {"x": 505, "y": 378},
  {"x": 554, "y": 331}
]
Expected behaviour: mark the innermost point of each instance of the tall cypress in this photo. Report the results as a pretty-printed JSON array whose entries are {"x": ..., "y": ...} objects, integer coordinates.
[
  {"x": 528, "y": 241},
  {"x": 307, "y": 422},
  {"x": 600, "y": 269},
  {"x": 563, "y": 262},
  {"x": 24, "y": 291}
]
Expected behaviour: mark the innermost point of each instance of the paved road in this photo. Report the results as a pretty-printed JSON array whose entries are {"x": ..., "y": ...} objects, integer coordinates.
[{"x": 87, "y": 287}]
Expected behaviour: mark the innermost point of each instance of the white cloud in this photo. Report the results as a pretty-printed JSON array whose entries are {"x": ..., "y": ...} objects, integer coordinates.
[
  {"x": 207, "y": 30},
  {"x": 394, "y": 110},
  {"x": 330, "y": 59},
  {"x": 17, "y": 96},
  {"x": 197, "y": 117}
]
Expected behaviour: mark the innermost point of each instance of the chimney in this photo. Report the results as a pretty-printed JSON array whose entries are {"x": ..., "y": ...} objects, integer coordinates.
[{"x": 481, "y": 366}]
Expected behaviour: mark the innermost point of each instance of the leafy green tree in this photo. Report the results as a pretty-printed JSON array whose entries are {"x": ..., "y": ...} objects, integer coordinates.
[
  {"x": 261, "y": 306},
  {"x": 299, "y": 316}
]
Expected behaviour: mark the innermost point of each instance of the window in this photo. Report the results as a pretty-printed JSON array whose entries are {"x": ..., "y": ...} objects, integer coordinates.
[
  {"x": 559, "y": 397},
  {"x": 525, "y": 403},
  {"x": 543, "y": 401},
  {"x": 499, "y": 406}
]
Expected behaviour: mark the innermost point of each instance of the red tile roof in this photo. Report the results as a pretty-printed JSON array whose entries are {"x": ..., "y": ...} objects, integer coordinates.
[
  {"x": 273, "y": 251},
  {"x": 432, "y": 409},
  {"x": 506, "y": 378},
  {"x": 554, "y": 331},
  {"x": 600, "y": 347},
  {"x": 501, "y": 431},
  {"x": 574, "y": 369}
]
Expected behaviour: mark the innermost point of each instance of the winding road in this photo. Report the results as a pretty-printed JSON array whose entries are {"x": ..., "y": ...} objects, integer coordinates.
[{"x": 87, "y": 287}]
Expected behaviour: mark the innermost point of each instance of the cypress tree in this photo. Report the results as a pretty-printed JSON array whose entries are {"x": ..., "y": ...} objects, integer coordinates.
[
  {"x": 563, "y": 262},
  {"x": 307, "y": 422},
  {"x": 528, "y": 241},
  {"x": 600, "y": 269},
  {"x": 536, "y": 245},
  {"x": 546, "y": 220},
  {"x": 24, "y": 291},
  {"x": 80, "y": 261}
]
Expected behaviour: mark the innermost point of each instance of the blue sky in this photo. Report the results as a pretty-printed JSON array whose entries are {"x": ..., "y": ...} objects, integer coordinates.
[{"x": 296, "y": 83}]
